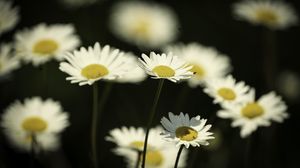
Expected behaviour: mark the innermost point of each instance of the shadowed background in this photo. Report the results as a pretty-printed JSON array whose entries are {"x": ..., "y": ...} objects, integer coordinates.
[{"x": 209, "y": 22}]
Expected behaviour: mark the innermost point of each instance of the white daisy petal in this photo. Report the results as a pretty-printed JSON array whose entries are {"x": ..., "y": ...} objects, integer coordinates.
[
  {"x": 162, "y": 67},
  {"x": 193, "y": 132},
  {"x": 206, "y": 62},
  {"x": 272, "y": 14},
  {"x": 87, "y": 66},
  {"x": 160, "y": 153},
  {"x": 251, "y": 114},
  {"x": 226, "y": 90},
  {"x": 8, "y": 60},
  {"x": 9, "y": 16},
  {"x": 144, "y": 24},
  {"x": 45, "y": 42},
  {"x": 44, "y": 119}
]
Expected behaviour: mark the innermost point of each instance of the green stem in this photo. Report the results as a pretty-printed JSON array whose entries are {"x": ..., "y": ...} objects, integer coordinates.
[
  {"x": 138, "y": 160},
  {"x": 33, "y": 149},
  {"x": 104, "y": 97},
  {"x": 247, "y": 159},
  {"x": 178, "y": 156},
  {"x": 96, "y": 117},
  {"x": 94, "y": 125},
  {"x": 152, "y": 114}
]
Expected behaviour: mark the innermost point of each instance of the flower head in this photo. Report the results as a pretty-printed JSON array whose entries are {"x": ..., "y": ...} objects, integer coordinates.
[
  {"x": 272, "y": 14},
  {"x": 87, "y": 66},
  {"x": 9, "y": 16},
  {"x": 42, "y": 119},
  {"x": 227, "y": 90},
  {"x": 185, "y": 131},
  {"x": 8, "y": 61},
  {"x": 252, "y": 113},
  {"x": 166, "y": 67},
  {"x": 145, "y": 24},
  {"x": 160, "y": 154},
  {"x": 45, "y": 42},
  {"x": 207, "y": 63}
]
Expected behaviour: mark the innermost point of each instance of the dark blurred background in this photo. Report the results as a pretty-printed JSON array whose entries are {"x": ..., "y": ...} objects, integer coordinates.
[{"x": 209, "y": 22}]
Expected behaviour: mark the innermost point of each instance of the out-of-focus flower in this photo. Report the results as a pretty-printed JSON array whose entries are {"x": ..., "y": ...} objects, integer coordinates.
[
  {"x": 207, "y": 62},
  {"x": 35, "y": 118},
  {"x": 144, "y": 24},
  {"x": 77, "y": 3},
  {"x": 9, "y": 16},
  {"x": 272, "y": 14},
  {"x": 253, "y": 113},
  {"x": 166, "y": 67},
  {"x": 185, "y": 131},
  {"x": 136, "y": 74},
  {"x": 227, "y": 90},
  {"x": 160, "y": 154},
  {"x": 288, "y": 84},
  {"x": 86, "y": 66},
  {"x": 8, "y": 61},
  {"x": 45, "y": 42}
]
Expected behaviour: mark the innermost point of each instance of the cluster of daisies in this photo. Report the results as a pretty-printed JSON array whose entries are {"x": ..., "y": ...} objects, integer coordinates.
[{"x": 40, "y": 122}]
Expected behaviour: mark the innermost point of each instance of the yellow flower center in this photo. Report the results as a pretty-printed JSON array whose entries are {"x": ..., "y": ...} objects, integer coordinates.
[
  {"x": 252, "y": 110},
  {"x": 138, "y": 145},
  {"x": 186, "y": 133},
  {"x": 34, "y": 124},
  {"x": 198, "y": 71},
  {"x": 45, "y": 47},
  {"x": 94, "y": 71},
  {"x": 226, "y": 93},
  {"x": 154, "y": 158},
  {"x": 141, "y": 28},
  {"x": 164, "y": 71},
  {"x": 268, "y": 17}
]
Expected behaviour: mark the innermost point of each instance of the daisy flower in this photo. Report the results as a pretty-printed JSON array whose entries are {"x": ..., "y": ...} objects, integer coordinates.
[
  {"x": 45, "y": 42},
  {"x": 227, "y": 90},
  {"x": 9, "y": 16},
  {"x": 42, "y": 119},
  {"x": 288, "y": 84},
  {"x": 166, "y": 67},
  {"x": 144, "y": 24},
  {"x": 160, "y": 154},
  {"x": 86, "y": 66},
  {"x": 207, "y": 62},
  {"x": 8, "y": 62},
  {"x": 185, "y": 131},
  {"x": 272, "y": 14},
  {"x": 252, "y": 113},
  {"x": 136, "y": 74}
]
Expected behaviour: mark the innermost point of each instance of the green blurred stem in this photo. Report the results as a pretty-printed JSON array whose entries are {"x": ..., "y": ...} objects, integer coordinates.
[
  {"x": 138, "y": 159},
  {"x": 152, "y": 114},
  {"x": 96, "y": 116},
  {"x": 178, "y": 156},
  {"x": 33, "y": 149},
  {"x": 247, "y": 157},
  {"x": 94, "y": 125}
]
